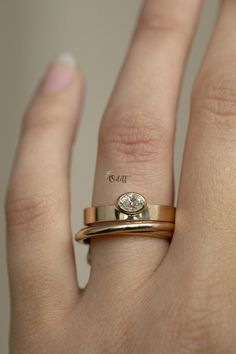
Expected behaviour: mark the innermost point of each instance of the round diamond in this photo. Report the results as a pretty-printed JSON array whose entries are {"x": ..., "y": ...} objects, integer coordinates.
[{"x": 131, "y": 202}]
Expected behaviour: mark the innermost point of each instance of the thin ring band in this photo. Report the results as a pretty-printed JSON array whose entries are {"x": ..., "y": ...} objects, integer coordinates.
[
  {"x": 111, "y": 213},
  {"x": 149, "y": 228},
  {"x": 158, "y": 234}
]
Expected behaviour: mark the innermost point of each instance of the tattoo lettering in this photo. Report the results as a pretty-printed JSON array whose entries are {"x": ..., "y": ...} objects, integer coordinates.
[{"x": 116, "y": 178}]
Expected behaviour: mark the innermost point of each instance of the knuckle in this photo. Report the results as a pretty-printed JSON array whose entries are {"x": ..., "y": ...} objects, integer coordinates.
[
  {"x": 133, "y": 136},
  {"x": 152, "y": 20},
  {"x": 34, "y": 212},
  {"x": 203, "y": 321},
  {"x": 214, "y": 102},
  {"x": 193, "y": 331}
]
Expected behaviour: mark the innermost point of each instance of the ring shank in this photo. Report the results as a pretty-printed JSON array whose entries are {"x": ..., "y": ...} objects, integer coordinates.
[{"x": 136, "y": 228}]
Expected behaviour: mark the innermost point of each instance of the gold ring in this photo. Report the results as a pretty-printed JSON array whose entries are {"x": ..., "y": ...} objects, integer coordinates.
[
  {"x": 131, "y": 215},
  {"x": 130, "y": 206},
  {"x": 155, "y": 229}
]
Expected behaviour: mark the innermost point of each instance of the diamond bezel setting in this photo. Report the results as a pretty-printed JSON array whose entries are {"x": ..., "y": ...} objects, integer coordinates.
[{"x": 131, "y": 203}]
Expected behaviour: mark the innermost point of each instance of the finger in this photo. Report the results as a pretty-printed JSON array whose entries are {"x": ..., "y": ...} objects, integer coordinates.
[
  {"x": 40, "y": 255},
  {"x": 136, "y": 133},
  {"x": 206, "y": 217}
]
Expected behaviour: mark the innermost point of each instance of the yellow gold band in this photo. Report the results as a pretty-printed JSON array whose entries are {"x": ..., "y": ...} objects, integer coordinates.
[{"x": 125, "y": 228}]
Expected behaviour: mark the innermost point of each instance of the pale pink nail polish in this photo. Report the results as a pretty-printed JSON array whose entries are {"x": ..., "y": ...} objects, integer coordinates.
[{"x": 59, "y": 74}]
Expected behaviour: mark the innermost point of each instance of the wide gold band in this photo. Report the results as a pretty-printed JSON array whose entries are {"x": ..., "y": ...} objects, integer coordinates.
[
  {"x": 155, "y": 229},
  {"x": 112, "y": 213}
]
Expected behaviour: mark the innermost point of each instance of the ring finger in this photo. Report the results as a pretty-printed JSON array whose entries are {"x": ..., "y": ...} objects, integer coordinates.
[{"x": 136, "y": 133}]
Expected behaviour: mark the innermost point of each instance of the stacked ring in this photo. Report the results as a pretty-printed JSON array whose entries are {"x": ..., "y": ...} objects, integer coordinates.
[{"x": 130, "y": 216}]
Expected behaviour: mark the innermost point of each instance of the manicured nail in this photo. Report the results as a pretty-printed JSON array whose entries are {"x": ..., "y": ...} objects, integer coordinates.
[{"x": 59, "y": 74}]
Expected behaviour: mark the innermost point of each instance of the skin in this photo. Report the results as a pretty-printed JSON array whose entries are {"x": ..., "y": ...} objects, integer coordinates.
[{"x": 144, "y": 295}]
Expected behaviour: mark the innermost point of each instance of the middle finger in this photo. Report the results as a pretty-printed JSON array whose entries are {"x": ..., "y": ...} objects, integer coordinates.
[{"x": 207, "y": 211}]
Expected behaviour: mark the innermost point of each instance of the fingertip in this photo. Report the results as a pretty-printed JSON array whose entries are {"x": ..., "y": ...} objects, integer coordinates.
[
  {"x": 70, "y": 59},
  {"x": 66, "y": 58},
  {"x": 60, "y": 74}
]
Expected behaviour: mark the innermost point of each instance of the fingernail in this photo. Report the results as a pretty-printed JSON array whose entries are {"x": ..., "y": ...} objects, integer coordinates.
[{"x": 59, "y": 74}]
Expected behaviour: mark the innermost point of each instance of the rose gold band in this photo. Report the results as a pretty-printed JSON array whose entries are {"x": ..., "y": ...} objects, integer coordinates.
[{"x": 112, "y": 213}]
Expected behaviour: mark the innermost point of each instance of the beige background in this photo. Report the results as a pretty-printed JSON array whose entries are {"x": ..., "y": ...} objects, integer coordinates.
[{"x": 31, "y": 33}]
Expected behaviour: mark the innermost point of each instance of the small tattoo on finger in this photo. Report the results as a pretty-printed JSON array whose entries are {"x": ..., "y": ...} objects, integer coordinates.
[{"x": 116, "y": 178}]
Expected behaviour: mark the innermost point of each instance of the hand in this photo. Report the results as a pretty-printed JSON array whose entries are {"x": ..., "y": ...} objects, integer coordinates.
[{"x": 144, "y": 295}]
